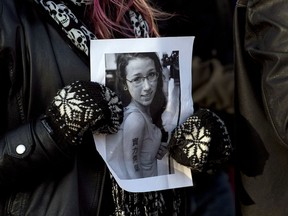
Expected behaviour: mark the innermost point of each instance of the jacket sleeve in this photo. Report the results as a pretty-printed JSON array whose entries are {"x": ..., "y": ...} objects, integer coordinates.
[
  {"x": 28, "y": 154},
  {"x": 266, "y": 41},
  {"x": 27, "y": 151}
]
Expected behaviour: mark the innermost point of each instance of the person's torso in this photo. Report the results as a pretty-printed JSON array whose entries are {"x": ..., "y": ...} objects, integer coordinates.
[{"x": 151, "y": 139}]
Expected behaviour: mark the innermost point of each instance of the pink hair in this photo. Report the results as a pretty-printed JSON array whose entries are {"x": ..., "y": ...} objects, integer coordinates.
[{"x": 109, "y": 16}]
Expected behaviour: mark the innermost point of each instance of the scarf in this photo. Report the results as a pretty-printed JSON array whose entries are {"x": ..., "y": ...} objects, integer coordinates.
[{"x": 74, "y": 30}]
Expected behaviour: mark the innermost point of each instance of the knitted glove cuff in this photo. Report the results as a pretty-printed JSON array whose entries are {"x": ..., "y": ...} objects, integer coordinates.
[
  {"x": 81, "y": 106},
  {"x": 202, "y": 142}
]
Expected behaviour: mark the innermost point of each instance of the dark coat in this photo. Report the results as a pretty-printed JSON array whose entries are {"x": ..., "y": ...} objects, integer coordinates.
[
  {"x": 261, "y": 32},
  {"x": 49, "y": 179},
  {"x": 35, "y": 62}
]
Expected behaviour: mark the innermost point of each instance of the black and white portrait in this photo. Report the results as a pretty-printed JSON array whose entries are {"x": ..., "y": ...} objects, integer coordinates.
[
  {"x": 141, "y": 80},
  {"x": 149, "y": 84}
]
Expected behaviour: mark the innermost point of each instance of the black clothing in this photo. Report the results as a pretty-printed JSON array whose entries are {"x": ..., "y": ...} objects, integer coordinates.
[
  {"x": 261, "y": 106},
  {"x": 36, "y": 62},
  {"x": 38, "y": 176}
]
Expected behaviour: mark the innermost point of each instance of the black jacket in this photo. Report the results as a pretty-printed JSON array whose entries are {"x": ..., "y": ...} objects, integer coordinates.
[
  {"x": 35, "y": 62},
  {"x": 45, "y": 178},
  {"x": 261, "y": 60}
]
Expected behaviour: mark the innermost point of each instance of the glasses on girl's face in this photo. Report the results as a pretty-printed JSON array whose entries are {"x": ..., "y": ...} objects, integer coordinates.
[{"x": 151, "y": 77}]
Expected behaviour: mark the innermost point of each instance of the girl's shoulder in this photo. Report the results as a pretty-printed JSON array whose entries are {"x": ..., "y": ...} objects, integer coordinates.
[
  {"x": 134, "y": 118},
  {"x": 133, "y": 115},
  {"x": 132, "y": 111}
]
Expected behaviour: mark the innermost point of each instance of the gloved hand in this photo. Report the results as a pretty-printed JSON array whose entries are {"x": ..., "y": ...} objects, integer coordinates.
[
  {"x": 83, "y": 106},
  {"x": 202, "y": 142}
]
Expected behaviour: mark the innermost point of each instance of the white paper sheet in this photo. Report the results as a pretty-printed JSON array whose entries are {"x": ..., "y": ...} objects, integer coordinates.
[{"x": 103, "y": 67}]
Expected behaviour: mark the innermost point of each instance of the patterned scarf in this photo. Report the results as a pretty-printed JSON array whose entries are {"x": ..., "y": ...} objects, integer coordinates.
[
  {"x": 126, "y": 203},
  {"x": 75, "y": 30}
]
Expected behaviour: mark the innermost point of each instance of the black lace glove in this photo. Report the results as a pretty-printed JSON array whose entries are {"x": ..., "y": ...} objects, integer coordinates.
[
  {"x": 202, "y": 142},
  {"x": 83, "y": 106}
]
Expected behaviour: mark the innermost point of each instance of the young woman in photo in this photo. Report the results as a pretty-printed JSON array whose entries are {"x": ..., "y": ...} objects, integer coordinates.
[{"x": 140, "y": 79}]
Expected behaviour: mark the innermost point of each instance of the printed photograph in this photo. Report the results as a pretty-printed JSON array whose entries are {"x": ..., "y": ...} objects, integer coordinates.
[
  {"x": 151, "y": 111},
  {"x": 155, "y": 91}
]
